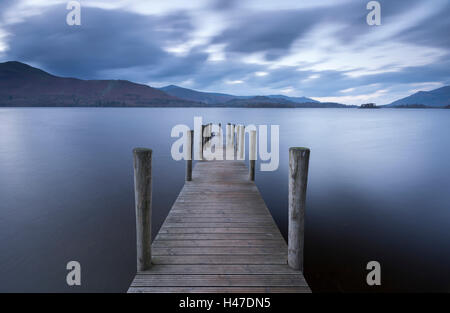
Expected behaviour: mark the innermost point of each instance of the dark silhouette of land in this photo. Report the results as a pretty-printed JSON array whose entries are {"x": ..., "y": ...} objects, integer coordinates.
[
  {"x": 437, "y": 98},
  {"x": 22, "y": 85}
]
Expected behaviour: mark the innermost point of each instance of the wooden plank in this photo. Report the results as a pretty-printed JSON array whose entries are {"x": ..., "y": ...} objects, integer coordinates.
[
  {"x": 209, "y": 280},
  {"x": 303, "y": 289},
  {"x": 221, "y": 211},
  {"x": 211, "y": 250},
  {"x": 199, "y": 218},
  {"x": 217, "y": 230},
  {"x": 176, "y": 269},
  {"x": 220, "y": 259},
  {"x": 188, "y": 216},
  {"x": 216, "y": 243},
  {"x": 243, "y": 236},
  {"x": 218, "y": 225}
]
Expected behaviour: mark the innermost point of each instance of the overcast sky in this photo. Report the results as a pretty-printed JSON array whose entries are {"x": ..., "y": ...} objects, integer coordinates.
[{"x": 320, "y": 49}]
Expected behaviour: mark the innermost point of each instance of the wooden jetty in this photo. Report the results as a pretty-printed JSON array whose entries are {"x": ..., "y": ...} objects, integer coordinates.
[{"x": 219, "y": 237}]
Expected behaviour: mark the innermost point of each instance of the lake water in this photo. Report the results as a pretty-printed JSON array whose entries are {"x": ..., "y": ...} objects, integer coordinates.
[{"x": 379, "y": 189}]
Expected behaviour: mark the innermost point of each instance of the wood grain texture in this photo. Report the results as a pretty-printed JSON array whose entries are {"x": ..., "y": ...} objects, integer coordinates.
[
  {"x": 142, "y": 163},
  {"x": 219, "y": 290},
  {"x": 298, "y": 178},
  {"x": 219, "y": 237}
]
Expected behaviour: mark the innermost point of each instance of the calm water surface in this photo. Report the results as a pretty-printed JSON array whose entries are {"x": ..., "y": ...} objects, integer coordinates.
[{"x": 379, "y": 189}]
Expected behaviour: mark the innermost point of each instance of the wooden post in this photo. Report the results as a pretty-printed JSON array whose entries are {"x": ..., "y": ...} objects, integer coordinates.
[
  {"x": 298, "y": 178},
  {"x": 143, "y": 204},
  {"x": 203, "y": 135},
  {"x": 203, "y": 141},
  {"x": 252, "y": 154},
  {"x": 200, "y": 144},
  {"x": 232, "y": 136},
  {"x": 207, "y": 134},
  {"x": 238, "y": 127},
  {"x": 229, "y": 150},
  {"x": 233, "y": 131},
  {"x": 241, "y": 142},
  {"x": 189, "y": 142}
]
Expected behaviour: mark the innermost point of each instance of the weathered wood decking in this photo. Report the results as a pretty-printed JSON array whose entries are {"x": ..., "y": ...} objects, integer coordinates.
[{"x": 219, "y": 237}]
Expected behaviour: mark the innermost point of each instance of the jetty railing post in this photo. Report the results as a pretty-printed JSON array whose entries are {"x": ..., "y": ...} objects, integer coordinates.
[
  {"x": 203, "y": 137},
  {"x": 229, "y": 150},
  {"x": 234, "y": 128},
  {"x": 238, "y": 132},
  {"x": 142, "y": 159},
  {"x": 241, "y": 142},
  {"x": 200, "y": 144},
  {"x": 252, "y": 154},
  {"x": 189, "y": 145},
  {"x": 298, "y": 179},
  {"x": 232, "y": 137}
]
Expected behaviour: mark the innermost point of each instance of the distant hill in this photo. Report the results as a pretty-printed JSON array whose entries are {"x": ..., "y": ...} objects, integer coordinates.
[
  {"x": 267, "y": 102},
  {"x": 435, "y": 98},
  {"x": 198, "y": 96},
  {"x": 221, "y": 98},
  {"x": 294, "y": 99},
  {"x": 24, "y": 86}
]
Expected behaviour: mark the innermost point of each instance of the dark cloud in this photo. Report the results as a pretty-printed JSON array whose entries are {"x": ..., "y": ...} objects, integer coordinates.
[
  {"x": 124, "y": 45},
  {"x": 433, "y": 31},
  {"x": 106, "y": 40},
  {"x": 273, "y": 32},
  {"x": 267, "y": 31},
  {"x": 4, "y": 4},
  {"x": 221, "y": 5}
]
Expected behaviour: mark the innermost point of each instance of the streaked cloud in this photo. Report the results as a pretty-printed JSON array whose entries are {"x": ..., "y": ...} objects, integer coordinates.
[
  {"x": 320, "y": 49},
  {"x": 261, "y": 74},
  {"x": 234, "y": 82}
]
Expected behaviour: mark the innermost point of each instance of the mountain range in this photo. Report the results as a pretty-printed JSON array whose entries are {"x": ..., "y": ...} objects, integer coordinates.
[
  {"x": 22, "y": 85},
  {"x": 435, "y": 98},
  {"x": 217, "y": 98}
]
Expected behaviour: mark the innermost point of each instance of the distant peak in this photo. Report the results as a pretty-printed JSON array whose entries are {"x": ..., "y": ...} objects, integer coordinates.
[
  {"x": 170, "y": 87},
  {"x": 15, "y": 64}
]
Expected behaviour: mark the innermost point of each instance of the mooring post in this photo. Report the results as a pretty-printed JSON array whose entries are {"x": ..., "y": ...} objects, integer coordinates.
[
  {"x": 142, "y": 159},
  {"x": 241, "y": 142},
  {"x": 238, "y": 127},
  {"x": 229, "y": 151},
  {"x": 207, "y": 135},
  {"x": 252, "y": 154},
  {"x": 200, "y": 144},
  {"x": 298, "y": 179},
  {"x": 203, "y": 136},
  {"x": 210, "y": 134},
  {"x": 232, "y": 136},
  {"x": 233, "y": 133},
  {"x": 188, "y": 157}
]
